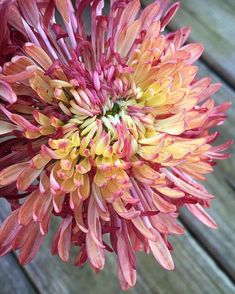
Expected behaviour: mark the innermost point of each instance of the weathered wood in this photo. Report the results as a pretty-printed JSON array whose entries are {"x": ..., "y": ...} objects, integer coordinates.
[
  {"x": 212, "y": 23},
  {"x": 196, "y": 272},
  {"x": 12, "y": 278}
]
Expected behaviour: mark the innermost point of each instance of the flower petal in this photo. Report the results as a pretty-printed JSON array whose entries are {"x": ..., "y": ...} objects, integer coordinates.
[
  {"x": 32, "y": 245},
  {"x": 6, "y": 128},
  {"x": 26, "y": 209},
  {"x": 198, "y": 211},
  {"x": 11, "y": 173},
  {"x": 128, "y": 272},
  {"x": 6, "y": 92},
  {"x": 21, "y": 76},
  {"x": 167, "y": 17},
  {"x": 39, "y": 55},
  {"x": 27, "y": 176},
  {"x": 94, "y": 252},
  {"x": 30, "y": 11},
  {"x": 9, "y": 229},
  {"x": 65, "y": 239},
  {"x": 161, "y": 253}
]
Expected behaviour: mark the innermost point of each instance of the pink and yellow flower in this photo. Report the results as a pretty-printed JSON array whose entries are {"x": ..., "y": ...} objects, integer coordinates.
[{"x": 108, "y": 131}]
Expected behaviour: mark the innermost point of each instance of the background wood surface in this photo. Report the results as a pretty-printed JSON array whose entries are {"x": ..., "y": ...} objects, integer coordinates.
[{"x": 204, "y": 258}]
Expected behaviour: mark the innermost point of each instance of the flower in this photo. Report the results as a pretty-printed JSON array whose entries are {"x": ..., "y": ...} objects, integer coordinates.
[{"x": 108, "y": 131}]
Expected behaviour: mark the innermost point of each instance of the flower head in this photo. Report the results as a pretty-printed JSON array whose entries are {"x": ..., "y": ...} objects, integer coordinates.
[{"x": 108, "y": 131}]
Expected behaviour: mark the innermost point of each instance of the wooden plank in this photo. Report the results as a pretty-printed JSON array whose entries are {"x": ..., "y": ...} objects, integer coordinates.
[
  {"x": 12, "y": 278},
  {"x": 212, "y": 23},
  {"x": 193, "y": 268},
  {"x": 220, "y": 243},
  {"x": 196, "y": 272}
]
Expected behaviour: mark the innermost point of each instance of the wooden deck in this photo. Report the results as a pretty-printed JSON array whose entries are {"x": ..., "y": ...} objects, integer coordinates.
[{"x": 204, "y": 258}]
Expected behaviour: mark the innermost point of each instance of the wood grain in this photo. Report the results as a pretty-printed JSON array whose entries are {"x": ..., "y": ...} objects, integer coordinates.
[
  {"x": 12, "y": 278},
  {"x": 193, "y": 268},
  {"x": 195, "y": 272}
]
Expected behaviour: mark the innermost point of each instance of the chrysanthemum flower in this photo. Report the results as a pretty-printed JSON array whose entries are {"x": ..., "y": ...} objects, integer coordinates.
[{"x": 107, "y": 130}]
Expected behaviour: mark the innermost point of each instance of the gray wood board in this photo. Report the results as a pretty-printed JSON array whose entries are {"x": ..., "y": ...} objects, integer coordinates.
[
  {"x": 196, "y": 272},
  {"x": 12, "y": 278}
]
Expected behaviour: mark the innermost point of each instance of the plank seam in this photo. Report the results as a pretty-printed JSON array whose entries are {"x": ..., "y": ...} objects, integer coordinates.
[
  {"x": 207, "y": 250},
  {"x": 27, "y": 276}
]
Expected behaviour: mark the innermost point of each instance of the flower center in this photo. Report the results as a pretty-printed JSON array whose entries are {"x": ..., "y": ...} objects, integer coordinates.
[{"x": 115, "y": 109}]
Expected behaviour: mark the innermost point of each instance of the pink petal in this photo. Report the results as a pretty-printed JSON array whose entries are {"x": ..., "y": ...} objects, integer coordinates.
[
  {"x": 6, "y": 128},
  {"x": 21, "y": 76},
  {"x": 6, "y": 92},
  {"x": 209, "y": 91},
  {"x": 149, "y": 14},
  {"x": 161, "y": 253},
  {"x": 187, "y": 187},
  {"x": 128, "y": 272},
  {"x": 195, "y": 51},
  {"x": 41, "y": 206},
  {"x": 129, "y": 13},
  {"x": 18, "y": 120},
  {"x": 39, "y": 55},
  {"x": 5, "y": 249},
  {"x": 140, "y": 226},
  {"x": 44, "y": 224},
  {"x": 162, "y": 204},
  {"x": 63, "y": 7},
  {"x": 27, "y": 177},
  {"x": 26, "y": 209},
  {"x": 119, "y": 207},
  {"x": 11, "y": 173},
  {"x": 202, "y": 215},
  {"x": 94, "y": 224},
  {"x": 54, "y": 247},
  {"x": 167, "y": 17},
  {"x": 79, "y": 219},
  {"x": 124, "y": 45},
  {"x": 98, "y": 197},
  {"x": 171, "y": 193},
  {"x": 94, "y": 252},
  {"x": 21, "y": 237},
  {"x": 74, "y": 200},
  {"x": 9, "y": 229},
  {"x": 124, "y": 285},
  {"x": 31, "y": 246},
  {"x": 65, "y": 238},
  {"x": 15, "y": 20},
  {"x": 30, "y": 12},
  {"x": 58, "y": 201}
]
